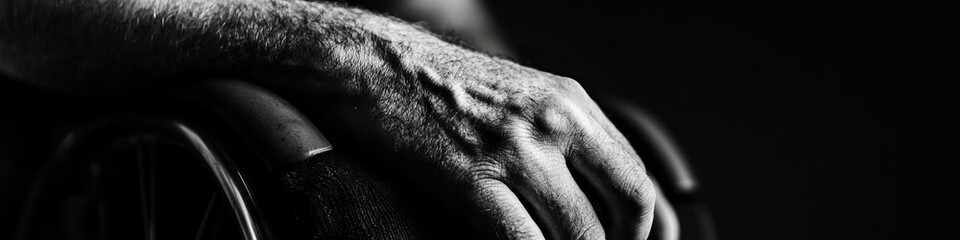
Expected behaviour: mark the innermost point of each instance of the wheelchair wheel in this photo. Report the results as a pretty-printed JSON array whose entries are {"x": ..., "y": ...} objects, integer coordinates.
[{"x": 139, "y": 178}]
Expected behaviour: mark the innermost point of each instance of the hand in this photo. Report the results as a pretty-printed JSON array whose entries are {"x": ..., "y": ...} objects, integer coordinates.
[
  {"x": 487, "y": 133},
  {"x": 496, "y": 135}
]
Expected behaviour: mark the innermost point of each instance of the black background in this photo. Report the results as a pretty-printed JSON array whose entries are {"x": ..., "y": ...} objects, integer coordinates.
[{"x": 803, "y": 121}]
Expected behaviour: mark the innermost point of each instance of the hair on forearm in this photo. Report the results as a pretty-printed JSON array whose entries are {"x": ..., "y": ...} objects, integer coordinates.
[{"x": 118, "y": 45}]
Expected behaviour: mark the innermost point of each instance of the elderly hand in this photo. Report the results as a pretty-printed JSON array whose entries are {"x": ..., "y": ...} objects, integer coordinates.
[
  {"x": 528, "y": 153},
  {"x": 488, "y": 133}
]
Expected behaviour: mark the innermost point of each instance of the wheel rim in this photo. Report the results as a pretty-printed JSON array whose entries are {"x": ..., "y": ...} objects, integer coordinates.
[{"x": 168, "y": 184}]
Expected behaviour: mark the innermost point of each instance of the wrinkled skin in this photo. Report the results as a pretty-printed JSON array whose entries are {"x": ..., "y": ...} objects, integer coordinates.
[
  {"x": 498, "y": 132},
  {"x": 484, "y": 132}
]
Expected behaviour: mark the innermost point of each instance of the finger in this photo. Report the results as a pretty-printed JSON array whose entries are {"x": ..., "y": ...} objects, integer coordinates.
[
  {"x": 562, "y": 208},
  {"x": 661, "y": 156},
  {"x": 666, "y": 225},
  {"x": 618, "y": 176},
  {"x": 593, "y": 110},
  {"x": 502, "y": 212}
]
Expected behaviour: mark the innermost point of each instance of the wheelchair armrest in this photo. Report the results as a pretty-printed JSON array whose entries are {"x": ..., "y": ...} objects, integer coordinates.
[{"x": 282, "y": 134}]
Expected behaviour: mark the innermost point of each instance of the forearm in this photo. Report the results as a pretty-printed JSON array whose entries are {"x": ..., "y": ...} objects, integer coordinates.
[{"x": 119, "y": 45}]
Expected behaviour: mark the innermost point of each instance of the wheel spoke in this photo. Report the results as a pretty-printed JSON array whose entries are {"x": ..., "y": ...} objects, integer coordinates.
[
  {"x": 152, "y": 159},
  {"x": 206, "y": 215},
  {"x": 144, "y": 194}
]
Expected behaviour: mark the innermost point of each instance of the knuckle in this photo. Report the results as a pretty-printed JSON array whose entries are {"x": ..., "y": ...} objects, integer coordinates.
[
  {"x": 639, "y": 198},
  {"x": 554, "y": 114},
  {"x": 648, "y": 192},
  {"x": 645, "y": 198},
  {"x": 486, "y": 169},
  {"x": 517, "y": 132},
  {"x": 573, "y": 88},
  {"x": 552, "y": 121},
  {"x": 569, "y": 84}
]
